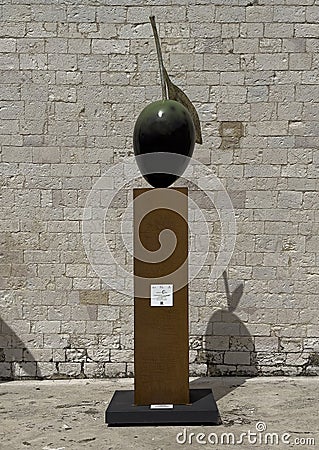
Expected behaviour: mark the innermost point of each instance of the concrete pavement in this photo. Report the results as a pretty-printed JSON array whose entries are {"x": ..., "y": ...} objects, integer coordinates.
[{"x": 69, "y": 415}]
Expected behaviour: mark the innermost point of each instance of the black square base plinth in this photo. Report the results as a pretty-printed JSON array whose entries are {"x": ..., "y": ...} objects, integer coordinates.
[{"x": 202, "y": 410}]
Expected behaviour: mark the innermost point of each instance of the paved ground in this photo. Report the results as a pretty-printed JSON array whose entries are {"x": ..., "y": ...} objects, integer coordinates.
[{"x": 62, "y": 414}]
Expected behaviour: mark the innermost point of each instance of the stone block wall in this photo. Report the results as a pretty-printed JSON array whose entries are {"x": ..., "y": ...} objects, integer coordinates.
[{"x": 74, "y": 75}]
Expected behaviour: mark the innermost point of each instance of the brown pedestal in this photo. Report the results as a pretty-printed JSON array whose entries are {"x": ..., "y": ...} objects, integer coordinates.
[{"x": 160, "y": 332}]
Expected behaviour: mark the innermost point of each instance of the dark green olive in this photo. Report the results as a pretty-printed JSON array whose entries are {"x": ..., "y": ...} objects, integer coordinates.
[{"x": 164, "y": 126}]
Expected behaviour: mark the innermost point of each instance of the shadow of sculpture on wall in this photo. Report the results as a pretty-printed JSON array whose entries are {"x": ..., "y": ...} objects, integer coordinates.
[
  {"x": 16, "y": 360},
  {"x": 228, "y": 348}
]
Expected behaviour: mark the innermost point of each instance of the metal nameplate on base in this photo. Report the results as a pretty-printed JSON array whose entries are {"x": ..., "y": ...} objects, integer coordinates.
[
  {"x": 162, "y": 406},
  {"x": 202, "y": 410}
]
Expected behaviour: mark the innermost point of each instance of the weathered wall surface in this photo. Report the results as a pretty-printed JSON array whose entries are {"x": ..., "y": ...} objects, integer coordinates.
[{"x": 74, "y": 75}]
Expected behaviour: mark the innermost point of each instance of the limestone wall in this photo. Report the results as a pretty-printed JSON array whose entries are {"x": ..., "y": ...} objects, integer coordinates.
[{"x": 74, "y": 75}]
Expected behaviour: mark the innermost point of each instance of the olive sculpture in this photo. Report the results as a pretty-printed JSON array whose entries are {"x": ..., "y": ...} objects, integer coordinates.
[{"x": 170, "y": 125}]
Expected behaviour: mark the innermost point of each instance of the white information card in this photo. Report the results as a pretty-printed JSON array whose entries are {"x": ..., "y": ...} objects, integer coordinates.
[{"x": 162, "y": 295}]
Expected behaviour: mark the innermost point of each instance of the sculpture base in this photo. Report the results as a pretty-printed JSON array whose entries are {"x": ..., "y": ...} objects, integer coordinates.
[{"x": 202, "y": 410}]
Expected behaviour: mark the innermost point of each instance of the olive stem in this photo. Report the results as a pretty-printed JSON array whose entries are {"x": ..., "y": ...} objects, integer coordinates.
[{"x": 159, "y": 57}]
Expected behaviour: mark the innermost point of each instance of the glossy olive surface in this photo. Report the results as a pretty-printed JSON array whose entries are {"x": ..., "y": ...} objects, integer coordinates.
[{"x": 164, "y": 126}]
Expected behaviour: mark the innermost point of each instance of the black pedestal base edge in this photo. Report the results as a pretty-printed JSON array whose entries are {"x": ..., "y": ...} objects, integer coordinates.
[{"x": 202, "y": 410}]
